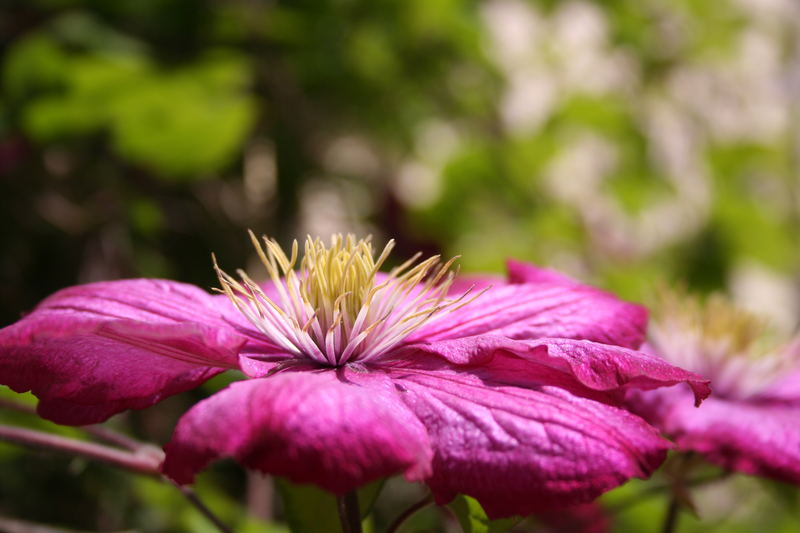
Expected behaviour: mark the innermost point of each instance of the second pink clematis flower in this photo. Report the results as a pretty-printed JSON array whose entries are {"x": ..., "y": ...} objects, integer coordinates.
[
  {"x": 508, "y": 391},
  {"x": 751, "y": 424}
]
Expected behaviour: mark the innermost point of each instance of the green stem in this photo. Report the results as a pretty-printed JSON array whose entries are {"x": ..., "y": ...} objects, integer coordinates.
[
  {"x": 671, "y": 517},
  {"x": 349, "y": 513},
  {"x": 679, "y": 494},
  {"x": 655, "y": 490},
  {"x": 198, "y": 504},
  {"x": 400, "y": 520}
]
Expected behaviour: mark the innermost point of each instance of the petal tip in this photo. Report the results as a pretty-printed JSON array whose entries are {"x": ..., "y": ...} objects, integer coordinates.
[{"x": 701, "y": 389}]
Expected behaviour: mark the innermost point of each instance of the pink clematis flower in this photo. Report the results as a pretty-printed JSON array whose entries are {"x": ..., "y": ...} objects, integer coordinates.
[
  {"x": 751, "y": 424},
  {"x": 505, "y": 391}
]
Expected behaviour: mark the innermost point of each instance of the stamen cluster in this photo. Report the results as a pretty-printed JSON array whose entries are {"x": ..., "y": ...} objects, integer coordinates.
[
  {"x": 336, "y": 307},
  {"x": 720, "y": 340}
]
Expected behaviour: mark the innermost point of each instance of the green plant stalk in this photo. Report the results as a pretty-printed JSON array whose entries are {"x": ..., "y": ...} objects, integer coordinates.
[
  {"x": 349, "y": 512},
  {"x": 405, "y": 515}
]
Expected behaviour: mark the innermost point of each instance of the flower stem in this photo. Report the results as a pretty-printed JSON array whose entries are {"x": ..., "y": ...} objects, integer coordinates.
[
  {"x": 679, "y": 496},
  {"x": 260, "y": 491},
  {"x": 671, "y": 517},
  {"x": 349, "y": 513},
  {"x": 400, "y": 520},
  {"x": 657, "y": 489},
  {"x": 192, "y": 498}
]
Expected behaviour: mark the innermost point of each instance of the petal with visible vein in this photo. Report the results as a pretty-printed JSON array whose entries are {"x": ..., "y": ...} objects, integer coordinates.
[
  {"x": 519, "y": 451},
  {"x": 591, "y": 365},
  {"x": 337, "y": 429},
  {"x": 94, "y": 350},
  {"x": 757, "y": 438},
  {"x": 532, "y": 310}
]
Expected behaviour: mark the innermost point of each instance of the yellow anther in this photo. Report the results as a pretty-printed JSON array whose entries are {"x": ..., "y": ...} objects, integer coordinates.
[
  {"x": 332, "y": 308},
  {"x": 717, "y": 322}
]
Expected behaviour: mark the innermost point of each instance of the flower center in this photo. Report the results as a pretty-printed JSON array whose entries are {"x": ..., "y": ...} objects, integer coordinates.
[
  {"x": 336, "y": 307},
  {"x": 718, "y": 340}
]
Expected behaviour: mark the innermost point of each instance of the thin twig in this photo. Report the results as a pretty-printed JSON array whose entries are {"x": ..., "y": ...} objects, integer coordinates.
[
  {"x": 649, "y": 492},
  {"x": 141, "y": 463},
  {"x": 145, "y": 460},
  {"x": 405, "y": 515},
  {"x": 260, "y": 492},
  {"x": 192, "y": 497},
  {"x": 114, "y": 437},
  {"x": 16, "y": 406},
  {"x": 101, "y": 432}
]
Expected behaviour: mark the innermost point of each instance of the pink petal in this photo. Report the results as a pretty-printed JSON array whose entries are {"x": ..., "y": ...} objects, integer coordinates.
[
  {"x": 552, "y": 309},
  {"x": 611, "y": 368},
  {"x": 758, "y": 438},
  {"x": 94, "y": 350},
  {"x": 258, "y": 360},
  {"x": 146, "y": 300},
  {"x": 784, "y": 390},
  {"x": 462, "y": 284},
  {"x": 564, "y": 362},
  {"x": 786, "y": 387},
  {"x": 519, "y": 451},
  {"x": 336, "y": 429}
]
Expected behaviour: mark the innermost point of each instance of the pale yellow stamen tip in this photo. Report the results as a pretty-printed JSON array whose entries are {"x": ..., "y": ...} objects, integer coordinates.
[
  {"x": 716, "y": 322},
  {"x": 332, "y": 309},
  {"x": 718, "y": 340}
]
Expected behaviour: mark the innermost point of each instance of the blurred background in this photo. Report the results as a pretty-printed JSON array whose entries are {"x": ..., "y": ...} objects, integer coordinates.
[{"x": 629, "y": 143}]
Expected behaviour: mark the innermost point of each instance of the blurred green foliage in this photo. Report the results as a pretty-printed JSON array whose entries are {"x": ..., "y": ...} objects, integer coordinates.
[
  {"x": 299, "y": 499},
  {"x": 182, "y": 122},
  {"x": 628, "y": 143},
  {"x": 473, "y": 519}
]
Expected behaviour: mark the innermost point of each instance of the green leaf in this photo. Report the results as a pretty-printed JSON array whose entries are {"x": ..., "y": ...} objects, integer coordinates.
[
  {"x": 368, "y": 495},
  {"x": 33, "y": 64},
  {"x": 252, "y": 525},
  {"x": 310, "y": 509},
  {"x": 473, "y": 518},
  {"x": 186, "y": 124},
  {"x": 784, "y": 494},
  {"x": 94, "y": 84}
]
